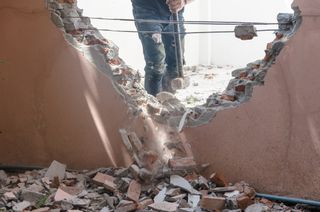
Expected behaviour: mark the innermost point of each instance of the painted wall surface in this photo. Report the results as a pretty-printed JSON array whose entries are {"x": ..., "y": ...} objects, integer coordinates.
[
  {"x": 57, "y": 105},
  {"x": 273, "y": 141},
  {"x": 221, "y": 49},
  {"x": 51, "y": 105}
]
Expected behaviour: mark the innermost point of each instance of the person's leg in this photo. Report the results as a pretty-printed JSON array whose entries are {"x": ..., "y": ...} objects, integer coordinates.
[
  {"x": 154, "y": 55},
  {"x": 153, "y": 49}
]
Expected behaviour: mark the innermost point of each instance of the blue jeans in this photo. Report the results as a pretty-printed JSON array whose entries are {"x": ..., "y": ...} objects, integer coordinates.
[{"x": 158, "y": 49}]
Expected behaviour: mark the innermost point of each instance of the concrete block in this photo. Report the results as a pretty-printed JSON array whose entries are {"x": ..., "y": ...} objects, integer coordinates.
[
  {"x": 245, "y": 32},
  {"x": 31, "y": 196},
  {"x": 160, "y": 197},
  {"x": 56, "y": 169},
  {"x": 182, "y": 183},
  {"x": 21, "y": 206}
]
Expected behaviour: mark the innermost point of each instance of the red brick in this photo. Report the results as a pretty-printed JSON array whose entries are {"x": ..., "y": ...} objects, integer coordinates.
[
  {"x": 212, "y": 203},
  {"x": 134, "y": 191},
  {"x": 182, "y": 163},
  {"x": 244, "y": 201},
  {"x": 105, "y": 180},
  {"x": 219, "y": 180}
]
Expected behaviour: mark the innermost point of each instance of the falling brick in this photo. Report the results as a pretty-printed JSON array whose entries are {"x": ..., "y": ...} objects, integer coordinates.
[{"x": 187, "y": 163}]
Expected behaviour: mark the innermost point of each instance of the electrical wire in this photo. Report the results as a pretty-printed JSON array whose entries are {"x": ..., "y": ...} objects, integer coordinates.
[
  {"x": 177, "y": 22},
  {"x": 172, "y": 33}
]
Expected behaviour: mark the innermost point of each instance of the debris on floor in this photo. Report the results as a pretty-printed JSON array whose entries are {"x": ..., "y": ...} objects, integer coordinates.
[{"x": 121, "y": 189}]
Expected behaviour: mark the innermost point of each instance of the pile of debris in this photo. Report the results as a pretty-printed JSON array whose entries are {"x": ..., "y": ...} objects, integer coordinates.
[{"x": 124, "y": 189}]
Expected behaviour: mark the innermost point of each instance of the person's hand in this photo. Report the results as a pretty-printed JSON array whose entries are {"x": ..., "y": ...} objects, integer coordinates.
[{"x": 176, "y": 5}]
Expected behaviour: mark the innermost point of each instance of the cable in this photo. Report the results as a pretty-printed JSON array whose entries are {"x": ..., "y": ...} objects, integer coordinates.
[
  {"x": 176, "y": 22},
  {"x": 192, "y": 32}
]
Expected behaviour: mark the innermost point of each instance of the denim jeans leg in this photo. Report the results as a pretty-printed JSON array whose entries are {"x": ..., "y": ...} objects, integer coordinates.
[{"x": 154, "y": 55}]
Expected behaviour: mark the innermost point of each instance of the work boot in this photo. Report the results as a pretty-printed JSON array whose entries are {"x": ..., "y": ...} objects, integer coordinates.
[{"x": 152, "y": 84}]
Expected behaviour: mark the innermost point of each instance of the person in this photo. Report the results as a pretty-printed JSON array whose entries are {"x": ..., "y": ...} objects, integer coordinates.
[{"x": 158, "y": 48}]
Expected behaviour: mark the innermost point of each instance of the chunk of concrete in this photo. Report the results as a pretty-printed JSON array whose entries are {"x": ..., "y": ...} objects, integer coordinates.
[
  {"x": 258, "y": 207},
  {"x": 193, "y": 200},
  {"x": 164, "y": 206},
  {"x": 31, "y": 196},
  {"x": 160, "y": 197},
  {"x": 182, "y": 183},
  {"x": 21, "y": 206},
  {"x": 56, "y": 169},
  {"x": 245, "y": 32}
]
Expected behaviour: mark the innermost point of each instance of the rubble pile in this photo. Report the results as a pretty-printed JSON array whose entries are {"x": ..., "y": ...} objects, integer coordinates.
[
  {"x": 124, "y": 189},
  {"x": 165, "y": 108}
]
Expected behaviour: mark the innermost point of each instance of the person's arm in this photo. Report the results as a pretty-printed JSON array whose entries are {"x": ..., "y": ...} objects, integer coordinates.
[{"x": 177, "y": 5}]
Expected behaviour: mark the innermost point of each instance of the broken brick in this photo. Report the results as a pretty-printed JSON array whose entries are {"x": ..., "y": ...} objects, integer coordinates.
[
  {"x": 212, "y": 203},
  {"x": 187, "y": 163},
  {"x": 228, "y": 98},
  {"x": 219, "y": 180},
  {"x": 244, "y": 201},
  {"x": 164, "y": 206},
  {"x": 134, "y": 191},
  {"x": 144, "y": 203},
  {"x": 62, "y": 195},
  {"x": 105, "y": 180}
]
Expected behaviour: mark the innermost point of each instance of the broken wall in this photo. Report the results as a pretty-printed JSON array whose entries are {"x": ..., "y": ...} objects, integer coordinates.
[
  {"x": 272, "y": 141},
  {"x": 55, "y": 104}
]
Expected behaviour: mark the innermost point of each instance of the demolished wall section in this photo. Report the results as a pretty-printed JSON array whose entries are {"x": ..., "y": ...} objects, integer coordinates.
[{"x": 272, "y": 141}]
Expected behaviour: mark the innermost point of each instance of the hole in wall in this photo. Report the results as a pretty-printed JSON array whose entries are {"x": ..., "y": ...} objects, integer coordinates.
[{"x": 231, "y": 88}]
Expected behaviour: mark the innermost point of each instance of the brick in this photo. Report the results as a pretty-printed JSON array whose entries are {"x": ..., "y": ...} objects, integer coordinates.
[
  {"x": 56, "y": 169},
  {"x": 219, "y": 180},
  {"x": 244, "y": 201},
  {"x": 228, "y": 97},
  {"x": 250, "y": 192},
  {"x": 144, "y": 203},
  {"x": 212, "y": 203},
  {"x": 224, "y": 189},
  {"x": 134, "y": 191},
  {"x": 164, "y": 206},
  {"x": 71, "y": 190},
  {"x": 240, "y": 88},
  {"x": 187, "y": 163},
  {"x": 105, "y": 180},
  {"x": 126, "y": 206},
  {"x": 135, "y": 141},
  {"x": 62, "y": 195}
]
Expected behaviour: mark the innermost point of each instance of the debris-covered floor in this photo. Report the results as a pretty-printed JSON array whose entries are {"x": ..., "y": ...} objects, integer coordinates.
[{"x": 126, "y": 189}]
